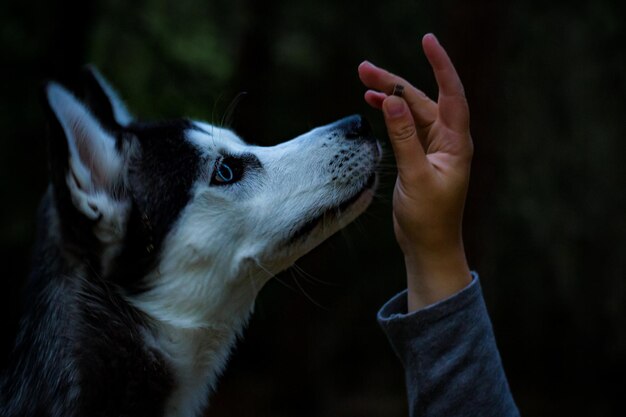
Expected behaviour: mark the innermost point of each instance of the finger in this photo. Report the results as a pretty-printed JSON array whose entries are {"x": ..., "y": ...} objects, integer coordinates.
[
  {"x": 453, "y": 108},
  {"x": 409, "y": 153},
  {"x": 375, "y": 98},
  {"x": 423, "y": 108}
]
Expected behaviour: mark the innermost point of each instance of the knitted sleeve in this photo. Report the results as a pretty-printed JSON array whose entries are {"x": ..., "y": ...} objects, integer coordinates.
[{"x": 450, "y": 357}]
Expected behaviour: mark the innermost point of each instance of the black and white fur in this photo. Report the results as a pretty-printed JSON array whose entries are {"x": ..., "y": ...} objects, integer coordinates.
[{"x": 154, "y": 240}]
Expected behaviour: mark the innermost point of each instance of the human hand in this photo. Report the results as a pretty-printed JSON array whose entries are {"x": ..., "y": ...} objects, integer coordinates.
[{"x": 433, "y": 149}]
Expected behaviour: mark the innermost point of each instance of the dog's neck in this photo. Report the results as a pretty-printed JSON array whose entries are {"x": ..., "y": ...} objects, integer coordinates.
[
  {"x": 195, "y": 316},
  {"x": 196, "y": 326},
  {"x": 197, "y": 357}
]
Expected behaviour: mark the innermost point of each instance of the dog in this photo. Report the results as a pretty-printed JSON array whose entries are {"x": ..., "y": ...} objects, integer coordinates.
[{"x": 154, "y": 240}]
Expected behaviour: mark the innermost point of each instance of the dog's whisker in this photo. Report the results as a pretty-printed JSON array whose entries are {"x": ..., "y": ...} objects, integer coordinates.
[
  {"x": 269, "y": 273},
  {"x": 214, "y": 111},
  {"x": 285, "y": 284},
  {"x": 276, "y": 277},
  {"x": 312, "y": 278},
  {"x": 309, "y": 297},
  {"x": 229, "y": 113}
]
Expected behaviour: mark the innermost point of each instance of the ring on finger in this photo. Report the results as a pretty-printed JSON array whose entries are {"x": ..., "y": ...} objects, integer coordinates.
[{"x": 398, "y": 90}]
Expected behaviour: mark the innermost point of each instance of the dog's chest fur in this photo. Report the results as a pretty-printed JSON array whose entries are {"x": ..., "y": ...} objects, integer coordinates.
[
  {"x": 196, "y": 357},
  {"x": 86, "y": 351}
]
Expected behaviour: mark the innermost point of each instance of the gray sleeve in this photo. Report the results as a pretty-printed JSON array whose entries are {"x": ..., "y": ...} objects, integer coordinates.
[{"x": 450, "y": 356}]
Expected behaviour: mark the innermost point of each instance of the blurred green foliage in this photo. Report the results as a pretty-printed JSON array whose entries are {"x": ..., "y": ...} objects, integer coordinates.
[{"x": 545, "y": 222}]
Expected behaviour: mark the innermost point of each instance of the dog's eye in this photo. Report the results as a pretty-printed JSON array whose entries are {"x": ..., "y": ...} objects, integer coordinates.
[{"x": 227, "y": 171}]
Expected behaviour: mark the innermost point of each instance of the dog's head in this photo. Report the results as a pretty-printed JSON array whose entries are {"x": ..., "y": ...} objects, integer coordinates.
[{"x": 183, "y": 214}]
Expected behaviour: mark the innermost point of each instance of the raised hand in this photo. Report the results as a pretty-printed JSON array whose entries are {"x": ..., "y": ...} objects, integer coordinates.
[{"x": 433, "y": 149}]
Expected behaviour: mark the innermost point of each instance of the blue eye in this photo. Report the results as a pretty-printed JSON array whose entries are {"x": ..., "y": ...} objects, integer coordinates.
[
  {"x": 224, "y": 173},
  {"x": 227, "y": 171}
]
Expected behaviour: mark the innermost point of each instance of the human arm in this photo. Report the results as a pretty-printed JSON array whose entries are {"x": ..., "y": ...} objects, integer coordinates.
[
  {"x": 433, "y": 149},
  {"x": 439, "y": 327},
  {"x": 449, "y": 353}
]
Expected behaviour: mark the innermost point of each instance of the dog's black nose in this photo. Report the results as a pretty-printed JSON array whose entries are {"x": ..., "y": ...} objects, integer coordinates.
[{"x": 355, "y": 127}]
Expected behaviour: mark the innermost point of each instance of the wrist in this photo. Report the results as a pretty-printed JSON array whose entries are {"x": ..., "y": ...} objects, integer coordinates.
[{"x": 435, "y": 274}]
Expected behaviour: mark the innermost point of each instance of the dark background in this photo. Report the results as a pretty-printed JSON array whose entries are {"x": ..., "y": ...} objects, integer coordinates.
[{"x": 545, "y": 219}]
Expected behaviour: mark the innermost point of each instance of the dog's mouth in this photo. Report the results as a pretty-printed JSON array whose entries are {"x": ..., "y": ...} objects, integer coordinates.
[{"x": 332, "y": 213}]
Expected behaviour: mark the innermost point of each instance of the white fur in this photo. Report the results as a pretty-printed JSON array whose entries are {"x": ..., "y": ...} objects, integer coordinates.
[
  {"x": 229, "y": 241},
  {"x": 93, "y": 157},
  {"x": 197, "y": 356}
]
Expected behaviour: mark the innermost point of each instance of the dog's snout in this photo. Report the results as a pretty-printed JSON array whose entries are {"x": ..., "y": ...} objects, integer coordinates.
[{"x": 355, "y": 127}]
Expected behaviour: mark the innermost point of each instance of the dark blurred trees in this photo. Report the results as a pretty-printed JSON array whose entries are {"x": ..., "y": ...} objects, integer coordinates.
[{"x": 545, "y": 223}]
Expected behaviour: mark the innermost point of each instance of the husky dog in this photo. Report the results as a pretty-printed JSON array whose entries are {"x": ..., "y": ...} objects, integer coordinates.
[{"x": 154, "y": 240}]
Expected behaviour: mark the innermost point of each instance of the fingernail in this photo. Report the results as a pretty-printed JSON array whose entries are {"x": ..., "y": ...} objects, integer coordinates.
[
  {"x": 432, "y": 35},
  {"x": 395, "y": 106}
]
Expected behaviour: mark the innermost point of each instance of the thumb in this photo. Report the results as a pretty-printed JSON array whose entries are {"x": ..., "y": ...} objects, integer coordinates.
[{"x": 408, "y": 150}]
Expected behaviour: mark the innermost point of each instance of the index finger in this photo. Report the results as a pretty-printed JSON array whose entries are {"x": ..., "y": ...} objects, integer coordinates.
[{"x": 423, "y": 108}]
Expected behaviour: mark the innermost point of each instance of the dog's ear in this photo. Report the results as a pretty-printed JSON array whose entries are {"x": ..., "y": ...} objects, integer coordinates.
[
  {"x": 87, "y": 162},
  {"x": 102, "y": 99}
]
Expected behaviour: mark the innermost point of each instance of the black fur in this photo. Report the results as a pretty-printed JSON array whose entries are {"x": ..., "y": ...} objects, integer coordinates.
[
  {"x": 77, "y": 329},
  {"x": 160, "y": 182}
]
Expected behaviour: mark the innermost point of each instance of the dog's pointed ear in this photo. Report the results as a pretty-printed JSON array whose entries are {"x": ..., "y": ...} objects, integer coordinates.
[
  {"x": 86, "y": 159},
  {"x": 103, "y": 101}
]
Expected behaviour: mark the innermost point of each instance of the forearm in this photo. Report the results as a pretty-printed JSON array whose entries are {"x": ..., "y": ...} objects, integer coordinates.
[
  {"x": 435, "y": 274},
  {"x": 450, "y": 356}
]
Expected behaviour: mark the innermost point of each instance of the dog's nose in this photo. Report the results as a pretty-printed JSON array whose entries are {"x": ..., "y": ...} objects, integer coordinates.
[{"x": 355, "y": 127}]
